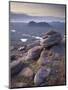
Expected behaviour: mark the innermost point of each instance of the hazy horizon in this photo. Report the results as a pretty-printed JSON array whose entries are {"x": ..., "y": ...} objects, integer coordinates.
[
  {"x": 17, "y": 17},
  {"x": 26, "y": 12}
]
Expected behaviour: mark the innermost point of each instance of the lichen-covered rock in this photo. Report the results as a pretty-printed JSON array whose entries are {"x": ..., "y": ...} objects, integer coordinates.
[
  {"x": 13, "y": 57},
  {"x": 41, "y": 76},
  {"x": 18, "y": 85},
  {"x": 45, "y": 59},
  {"x": 34, "y": 53},
  {"x": 26, "y": 72},
  {"x": 57, "y": 75},
  {"x": 59, "y": 49},
  {"x": 22, "y": 48},
  {"x": 50, "y": 38},
  {"x": 16, "y": 67},
  {"x": 34, "y": 44}
]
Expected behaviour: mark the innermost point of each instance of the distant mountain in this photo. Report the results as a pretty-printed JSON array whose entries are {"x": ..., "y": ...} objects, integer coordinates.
[
  {"x": 39, "y": 24},
  {"x": 14, "y": 17}
]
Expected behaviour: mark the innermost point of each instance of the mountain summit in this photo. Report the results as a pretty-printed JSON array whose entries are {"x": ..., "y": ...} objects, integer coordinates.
[{"x": 40, "y": 24}]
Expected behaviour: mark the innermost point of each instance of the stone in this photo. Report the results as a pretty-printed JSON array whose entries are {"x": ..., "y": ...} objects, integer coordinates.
[
  {"x": 44, "y": 58},
  {"x": 19, "y": 85},
  {"x": 59, "y": 50},
  {"x": 22, "y": 48},
  {"x": 34, "y": 53},
  {"x": 41, "y": 76},
  {"x": 26, "y": 72},
  {"x": 51, "y": 38},
  {"x": 16, "y": 67},
  {"x": 11, "y": 48},
  {"x": 34, "y": 44},
  {"x": 13, "y": 57}
]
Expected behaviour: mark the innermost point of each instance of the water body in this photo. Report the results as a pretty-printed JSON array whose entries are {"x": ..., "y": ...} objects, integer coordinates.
[{"x": 22, "y": 32}]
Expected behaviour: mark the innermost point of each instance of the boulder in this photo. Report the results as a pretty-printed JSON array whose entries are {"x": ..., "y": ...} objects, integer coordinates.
[
  {"x": 34, "y": 44},
  {"x": 26, "y": 72},
  {"x": 45, "y": 59},
  {"x": 57, "y": 75},
  {"x": 11, "y": 48},
  {"x": 50, "y": 38},
  {"x": 41, "y": 76},
  {"x": 18, "y": 85},
  {"x": 22, "y": 48},
  {"x": 34, "y": 53},
  {"x": 13, "y": 57},
  {"x": 16, "y": 67},
  {"x": 59, "y": 50}
]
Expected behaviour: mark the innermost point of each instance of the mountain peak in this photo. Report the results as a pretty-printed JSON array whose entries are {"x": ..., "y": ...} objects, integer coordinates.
[{"x": 41, "y": 24}]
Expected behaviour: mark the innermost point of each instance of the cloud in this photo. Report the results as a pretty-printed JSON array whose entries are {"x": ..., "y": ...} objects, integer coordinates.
[{"x": 35, "y": 9}]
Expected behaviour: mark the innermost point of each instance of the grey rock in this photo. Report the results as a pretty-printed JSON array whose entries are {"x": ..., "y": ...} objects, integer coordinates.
[
  {"x": 26, "y": 72},
  {"x": 34, "y": 44},
  {"x": 19, "y": 85},
  {"x": 51, "y": 38},
  {"x": 34, "y": 53},
  {"x": 52, "y": 56},
  {"x": 54, "y": 72},
  {"x": 13, "y": 57},
  {"x": 11, "y": 48},
  {"x": 22, "y": 48},
  {"x": 59, "y": 49},
  {"x": 41, "y": 76},
  {"x": 16, "y": 67},
  {"x": 43, "y": 58}
]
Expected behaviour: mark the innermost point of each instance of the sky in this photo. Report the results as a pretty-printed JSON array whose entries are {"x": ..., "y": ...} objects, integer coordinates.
[{"x": 35, "y": 9}]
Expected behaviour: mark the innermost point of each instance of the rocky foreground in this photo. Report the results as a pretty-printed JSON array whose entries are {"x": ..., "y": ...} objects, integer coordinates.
[{"x": 39, "y": 64}]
